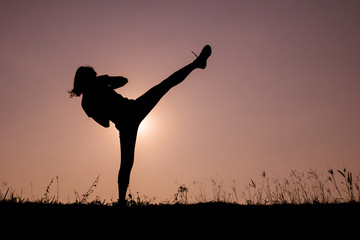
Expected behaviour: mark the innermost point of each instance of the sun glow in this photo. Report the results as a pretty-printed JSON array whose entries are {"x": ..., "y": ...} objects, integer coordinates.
[{"x": 144, "y": 126}]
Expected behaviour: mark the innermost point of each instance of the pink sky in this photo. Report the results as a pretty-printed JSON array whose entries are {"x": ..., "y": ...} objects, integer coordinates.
[{"x": 281, "y": 91}]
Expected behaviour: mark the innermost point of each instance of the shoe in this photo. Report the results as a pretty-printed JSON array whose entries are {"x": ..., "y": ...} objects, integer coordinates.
[{"x": 200, "y": 61}]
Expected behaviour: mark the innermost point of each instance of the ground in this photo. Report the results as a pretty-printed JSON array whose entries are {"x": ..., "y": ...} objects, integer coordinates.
[{"x": 284, "y": 221}]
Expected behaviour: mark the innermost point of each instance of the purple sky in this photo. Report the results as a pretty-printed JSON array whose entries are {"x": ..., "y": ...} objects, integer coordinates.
[{"x": 281, "y": 91}]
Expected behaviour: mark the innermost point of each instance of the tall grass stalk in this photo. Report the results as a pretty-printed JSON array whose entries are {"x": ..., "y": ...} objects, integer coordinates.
[
  {"x": 86, "y": 195},
  {"x": 304, "y": 187}
]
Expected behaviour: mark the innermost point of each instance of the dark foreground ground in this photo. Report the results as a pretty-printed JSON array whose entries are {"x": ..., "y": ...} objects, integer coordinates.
[{"x": 194, "y": 221}]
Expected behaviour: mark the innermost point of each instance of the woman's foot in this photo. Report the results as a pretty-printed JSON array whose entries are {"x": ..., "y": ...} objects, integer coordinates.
[{"x": 200, "y": 61}]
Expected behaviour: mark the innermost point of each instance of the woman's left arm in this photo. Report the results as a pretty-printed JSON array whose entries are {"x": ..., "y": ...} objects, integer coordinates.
[{"x": 113, "y": 82}]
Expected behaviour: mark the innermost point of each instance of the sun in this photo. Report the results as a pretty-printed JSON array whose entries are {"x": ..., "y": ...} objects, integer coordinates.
[{"x": 144, "y": 126}]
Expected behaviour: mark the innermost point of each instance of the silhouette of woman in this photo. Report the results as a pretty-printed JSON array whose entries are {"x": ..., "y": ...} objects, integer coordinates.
[{"x": 103, "y": 104}]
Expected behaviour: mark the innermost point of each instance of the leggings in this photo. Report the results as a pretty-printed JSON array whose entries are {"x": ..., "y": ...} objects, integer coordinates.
[{"x": 131, "y": 118}]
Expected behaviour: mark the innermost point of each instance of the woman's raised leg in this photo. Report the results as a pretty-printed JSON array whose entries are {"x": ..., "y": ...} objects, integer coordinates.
[
  {"x": 147, "y": 101},
  {"x": 142, "y": 106},
  {"x": 129, "y": 125}
]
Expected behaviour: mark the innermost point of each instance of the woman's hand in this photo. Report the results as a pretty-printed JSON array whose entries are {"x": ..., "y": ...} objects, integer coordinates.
[{"x": 117, "y": 82}]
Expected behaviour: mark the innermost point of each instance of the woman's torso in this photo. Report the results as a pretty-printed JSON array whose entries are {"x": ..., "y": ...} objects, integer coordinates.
[{"x": 103, "y": 102}]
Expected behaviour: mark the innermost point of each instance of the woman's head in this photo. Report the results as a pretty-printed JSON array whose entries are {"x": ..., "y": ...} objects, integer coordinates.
[{"x": 83, "y": 77}]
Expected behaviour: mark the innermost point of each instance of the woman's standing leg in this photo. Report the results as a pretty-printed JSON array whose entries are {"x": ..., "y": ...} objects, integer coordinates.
[{"x": 128, "y": 133}]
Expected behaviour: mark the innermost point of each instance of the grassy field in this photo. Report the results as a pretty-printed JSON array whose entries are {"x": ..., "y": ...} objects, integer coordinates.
[
  {"x": 282, "y": 221},
  {"x": 303, "y": 205}
]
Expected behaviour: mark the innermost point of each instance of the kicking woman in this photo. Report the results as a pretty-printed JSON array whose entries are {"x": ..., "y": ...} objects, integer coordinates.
[{"x": 103, "y": 104}]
